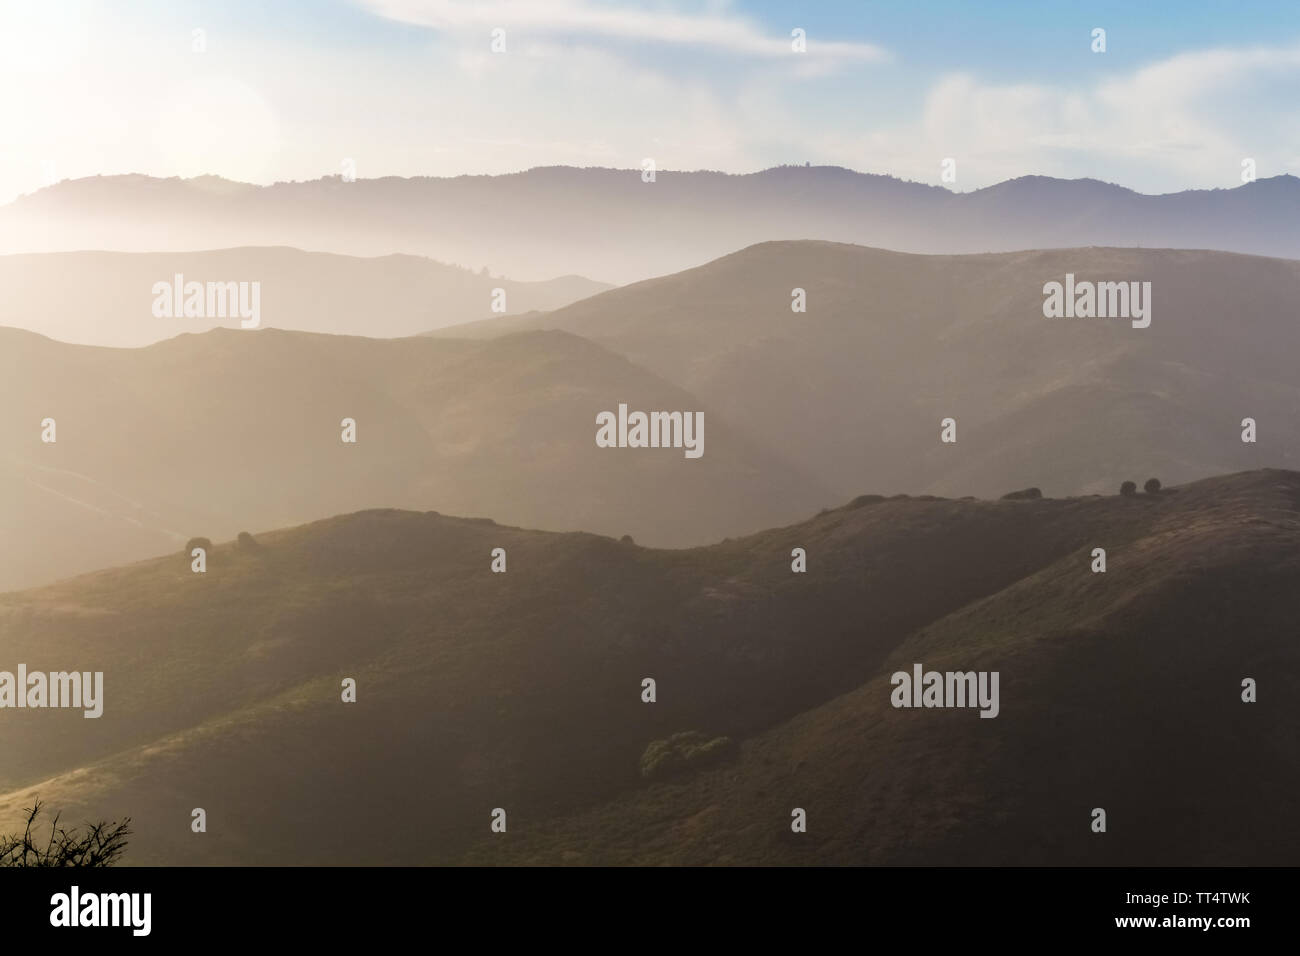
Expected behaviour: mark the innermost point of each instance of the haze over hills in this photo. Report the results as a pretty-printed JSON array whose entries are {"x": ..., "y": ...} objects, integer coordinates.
[
  {"x": 497, "y": 417},
  {"x": 227, "y": 431},
  {"x": 892, "y": 343},
  {"x": 523, "y": 690},
  {"x": 107, "y": 298},
  {"x": 609, "y": 224}
]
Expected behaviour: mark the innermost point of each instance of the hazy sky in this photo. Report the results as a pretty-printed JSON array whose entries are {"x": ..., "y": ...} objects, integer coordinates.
[{"x": 289, "y": 90}]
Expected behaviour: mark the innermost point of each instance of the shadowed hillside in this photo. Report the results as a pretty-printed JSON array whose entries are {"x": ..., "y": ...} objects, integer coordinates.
[
  {"x": 229, "y": 431},
  {"x": 522, "y": 690},
  {"x": 891, "y": 344}
]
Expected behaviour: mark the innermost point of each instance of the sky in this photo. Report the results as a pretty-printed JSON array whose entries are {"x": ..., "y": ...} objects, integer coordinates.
[{"x": 289, "y": 90}]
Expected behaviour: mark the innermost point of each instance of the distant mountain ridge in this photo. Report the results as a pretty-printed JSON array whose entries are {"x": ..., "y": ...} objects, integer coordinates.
[{"x": 611, "y": 225}]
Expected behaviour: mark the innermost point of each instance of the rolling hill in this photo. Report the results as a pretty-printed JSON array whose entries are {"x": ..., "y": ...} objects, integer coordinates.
[
  {"x": 107, "y": 298},
  {"x": 610, "y": 224},
  {"x": 226, "y": 431},
  {"x": 855, "y": 388},
  {"x": 522, "y": 690}
]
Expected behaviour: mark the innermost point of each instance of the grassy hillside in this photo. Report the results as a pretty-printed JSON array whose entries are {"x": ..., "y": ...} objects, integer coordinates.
[
  {"x": 1119, "y": 691},
  {"x": 891, "y": 344},
  {"x": 522, "y": 690},
  {"x": 240, "y": 430}
]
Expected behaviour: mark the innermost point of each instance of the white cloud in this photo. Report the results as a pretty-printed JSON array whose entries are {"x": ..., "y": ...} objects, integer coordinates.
[
  {"x": 1184, "y": 121},
  {"x": 123, "y": 96},
  {"x": 715, "y": 28}
]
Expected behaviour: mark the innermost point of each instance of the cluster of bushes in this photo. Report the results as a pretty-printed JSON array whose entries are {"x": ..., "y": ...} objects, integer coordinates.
[
  {"x": 689, "y": 750},
  {"x": 245, "y": 542},
  {"x": 1151, "y": 487}
]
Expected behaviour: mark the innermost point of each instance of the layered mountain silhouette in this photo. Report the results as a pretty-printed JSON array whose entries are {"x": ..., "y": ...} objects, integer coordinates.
[
  {"x": 107, "y": 298},
  {"x": 855, "y": 388},
  {"x": 211, "y": 434},
  {"x": 240, "y": 430},
  {"x": 522, "y": 691},
  {"x": 613, "y": 226}
]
